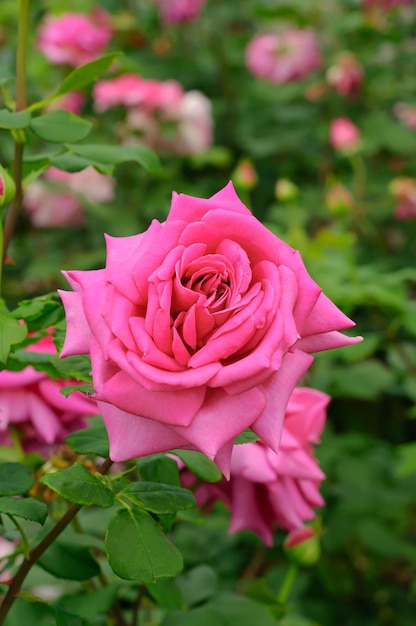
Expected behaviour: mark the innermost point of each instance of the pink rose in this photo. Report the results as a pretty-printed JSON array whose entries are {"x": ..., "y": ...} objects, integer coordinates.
[
  {"x": 198, "y": 329},
  {"x": 55, "y": 201},
  {"x": 34, "y": 406},
  {"x": 266, "y": 488},
  {"x": 343, "y": 135},
  {"x": 177, "y": 11},
  {"x": 285, "y": 57},
  {"x": 346, "y": 75},
  {"x": 74, "y": 38}
]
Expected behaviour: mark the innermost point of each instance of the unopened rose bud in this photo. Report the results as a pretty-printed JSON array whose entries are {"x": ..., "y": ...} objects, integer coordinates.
[
  {"x": 339, "y": 200},
  {"x": 7, "y": 187},
  {"x": 302, "y": 546},
  {"x": 285, "y": 190},
  {"x": 344, "y": 135},
  {"x": 245, "y": 176}
]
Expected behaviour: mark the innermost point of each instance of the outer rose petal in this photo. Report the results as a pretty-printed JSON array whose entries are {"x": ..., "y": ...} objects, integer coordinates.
[{"x": 78, "y": 333}]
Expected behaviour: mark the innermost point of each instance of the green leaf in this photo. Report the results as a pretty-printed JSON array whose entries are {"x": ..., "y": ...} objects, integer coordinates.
[
  {"x": 66, "y": 559},
  {"x": 13, "y": 120},
  {"x": 198, "y": 585},
  {"x": 74, "y": 163},
  {"x": 91, "y": 440},
  {"x": 40, "y": 312},
  {"x": 138, "y": 550},
  {"x": 78, "y": 485},
  {"x": 60, "y": 126},
  {"x": 28, "y": 508},
  {"x": 166, "y": 593},
  {"x": 89, "y": 605},
  {"x": 159, "y": 468},
  {"x": 200, "y": 465},
  {"x": 246, "y": 437},
  {"x": 15, "y": 479},
  {"x": 82, "y": 387},
  {"x": 159, "y": 498},
  {"x": 66, "y": 619},
  {"x": 86, "y": 74},
  {"x": 112, "y": 155},
  {"x": 11, "y": 332},
  {"x": 406, "y": 463}
]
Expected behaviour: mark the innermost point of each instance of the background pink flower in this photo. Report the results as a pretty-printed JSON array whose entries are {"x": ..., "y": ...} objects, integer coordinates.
[
  {"x": 343, "y": 134},
  {"x": 198, "y": 329},
  {"x": 346, "y": 75},
  {"x": 56, "y": 201},
  {"x": 33, "y": 405},
  {"x": 284, "y": 57},
  {"x": 74, "y": 38},
  {"x": 177, "y": 11},
  {"x": 266, "y": 488}
]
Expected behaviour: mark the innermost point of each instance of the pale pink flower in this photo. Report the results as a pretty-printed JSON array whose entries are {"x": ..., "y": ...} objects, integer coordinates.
[
  {"x": 32, "y": 404},
  {"x": 198, "y": 328},
  {"x": 268, "y": 489},
  {"x": 406, "y": 114},
  {"x": 56, "y": 201},
  {"x": 74, "y": 38},
  {"x": 160, "y": 113},
  {"x": 346, "y": 75},
  {"x": 284, "y": 57},
  {"x": 183, "y": 127},
  {"x": 178, "y": 11},
  {"x": 343, "y": 135}
]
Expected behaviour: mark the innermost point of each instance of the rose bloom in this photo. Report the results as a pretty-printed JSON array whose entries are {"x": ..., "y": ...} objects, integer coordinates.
[
  {"x": 346, "y": 75},
  {"x": 343, "y": 134},
  {"x": 268, "y": 489},
  {"x": 34, "y": 406},
  {"x": 177, "y": 11},
  {"x": 198, "y": 328},
  {"x": 285, "y": 57},
  {"x": 56, "y": 201},
  {"x": 74, "y": 38}
]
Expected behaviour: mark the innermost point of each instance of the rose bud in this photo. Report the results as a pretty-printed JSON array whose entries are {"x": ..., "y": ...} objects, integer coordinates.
[{"x": 302, "y": 546}]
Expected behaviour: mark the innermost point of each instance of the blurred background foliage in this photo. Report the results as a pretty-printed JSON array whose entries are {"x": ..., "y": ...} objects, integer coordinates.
[{"x": 338, "y": 209}]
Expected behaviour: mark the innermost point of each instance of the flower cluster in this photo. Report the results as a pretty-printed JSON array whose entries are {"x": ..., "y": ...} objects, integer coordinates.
[
  {"x": 198, "y": 329},
  {"x": 159, "y": 113},
  {"x": 266, "y": 488},
  {"x": 33, "y": 405}
]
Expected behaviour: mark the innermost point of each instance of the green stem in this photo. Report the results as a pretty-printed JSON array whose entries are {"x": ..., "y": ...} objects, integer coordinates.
[
  {"x": 287, "y": 585},
  {"x": 21, "y": 62},
  {"x": 37, "y": 552}
]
